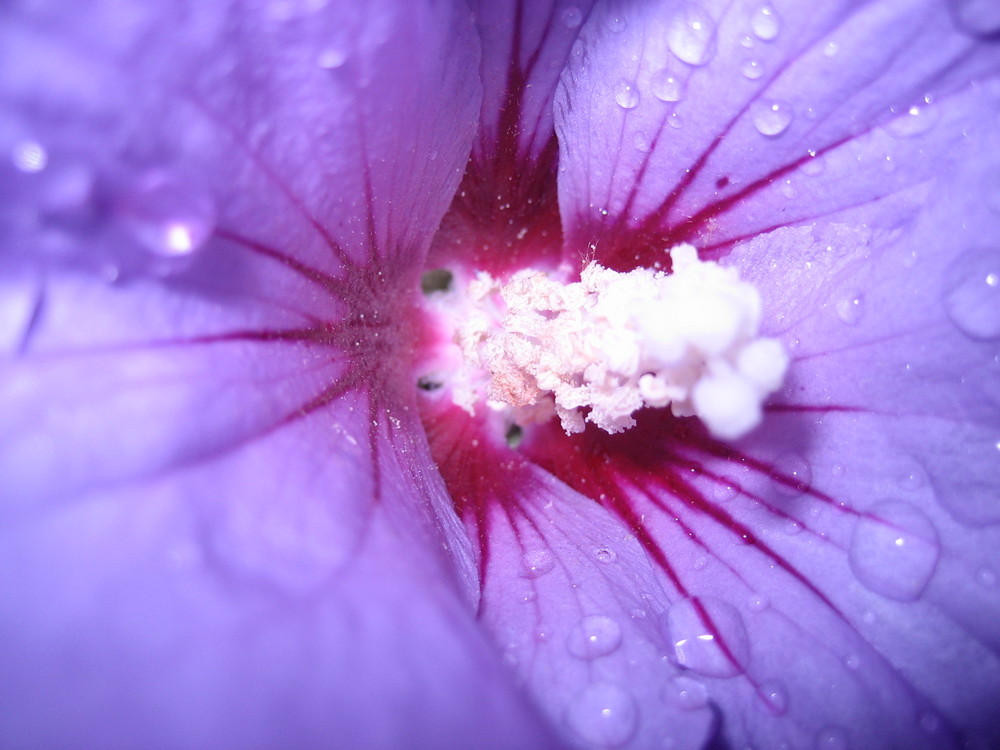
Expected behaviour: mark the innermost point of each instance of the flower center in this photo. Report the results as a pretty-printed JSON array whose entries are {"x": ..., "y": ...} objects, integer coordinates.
[{"x": 601, "y": 348}]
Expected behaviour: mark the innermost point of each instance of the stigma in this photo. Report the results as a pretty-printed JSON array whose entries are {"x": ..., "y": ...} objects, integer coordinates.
[{"x": 600, "y": 349}]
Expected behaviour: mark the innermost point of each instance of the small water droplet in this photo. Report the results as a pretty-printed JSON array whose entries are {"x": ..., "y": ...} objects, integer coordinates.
[
  {"x": 537, "y": 563},
  {"x": 594, "y": 636},
  {"x": 852, "y": 662},
  {"x": 986, "y": 577},
  {"x": 747, "y": 42},
  {"x": 771, "y": 117},
  {"x": 830, "y": 49},
  {"x": 977, "y": 17},
  {"x": 603, "y": 714},
  {"x": 638, "y": 614},
  {"x": 914, "y": 120},
  {"x": 616, "y": 24},
  {"x": 792, "y": 527},
  {"x": 331, "y": 58},
  {"x": 894, "y": 550},
  {"x": 626, "y": 95},
  {"x": 851, "y": 309},
  {"x": 972, "y": 293},
  {"x": 788, "y": 190},
  {"x": 792, "y": 475},
  {"x": 605, "y": 555},
  {"x": 571, "y": 17},
  {"x": 687, "y": 693},
  {"x": 542, "y": 634},
  {"x": 167, "y": 216},
  {"x": 700, "y": 562},
  {"x": 529, "y": 596},
  {"x": 674, "y": 121},
  {"x": 665, "y": 86},
  {"x": 765, "y": 23},
  {"x": 773, "y": 697},
  {"x": 709, "y": 636},
  {"x": 758, "y": 602},
  {"x": 831, "y": 738},
  {"x": 723, "y": 491},
  {"x": 691, "y": 35},
  {"x": 30, "y": 156},
  {"x": 641, "y": 141},
  {"x": 752, "y": 69}
]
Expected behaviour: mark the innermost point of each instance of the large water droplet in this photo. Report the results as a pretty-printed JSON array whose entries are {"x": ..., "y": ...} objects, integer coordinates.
[
  {"x": 792, "y": 475},
  {"x": 894, "y": 550},
  {"x": 691, "y": 35},
  {"x": 687, "y": 693},
  {"x": 167, "y": 216},
  {"x": 665, "y": 86},
  {"x": 626, "y": 95},
  {"x": 979, "y": 17},
  {"x": 571, "y": 17},
  {"x": 972, "y": 293},
  {"x": 771, "y": 117},
  {"x": 765, "y": 23},
  {"x": 773, "y": 697},
  {"x": 709, "y": 637},
  {"x": 851, "y": 309},
  {"x": 594, "y": 636},
  {"x": 603, "y": 714},
  {"x": 537, "y": 563}
]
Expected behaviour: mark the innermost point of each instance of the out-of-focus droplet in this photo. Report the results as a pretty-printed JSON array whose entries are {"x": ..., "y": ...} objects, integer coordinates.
[
  {"x": 30, "y": 156},
  {"x": 537, "y": 563},
  {"x": 894, "y": 550},
  {"x": 594, "y": 636},
  {"x": 20, "y": 305},
  {"x": 771, "y": 117},
  {"x": 602, "y": 714},
  {"x": 665, "y": 86},
  {"x": 709, "y": 637},
  {"x": 166, "y": 215},
  {"x": 765, "y": 23},
  {"x": 972, "y": 293},
  {"x": 626, "y": 95},
  {"x": 332, "y": 57},
  {"x": 617, "y": 24},
  {"x": 571, "y": 17},
  {"x": 914, "y": 120},
  {"x": 831, "y": 49},
  {"x": 691, "y": 35},
  {"x": 851, "y": 309}
]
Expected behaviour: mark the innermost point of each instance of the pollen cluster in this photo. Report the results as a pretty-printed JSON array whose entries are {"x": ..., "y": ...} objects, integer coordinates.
[{"x": 612, "y": 343}]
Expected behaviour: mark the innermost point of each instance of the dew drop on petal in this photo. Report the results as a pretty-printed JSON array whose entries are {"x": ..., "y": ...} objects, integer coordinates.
[
  {"x": 605, "y": 555},
  {"x": 773, "y": 697},
  {"x": 603, "y": 714},
  {"x": 758, "y": 603},
  {"x": 594, "y": 636},
  {"x": 626, "y": 95},
  {"x": 537, "y": 563},
  {"x": 851, "y": 309},
  {"x": 894, "y": 550},
  {"x": 979, "y": 17},
  {"x": 752, "y": 69},
  {"x": 830, "y": 49},
  {"x": 771, "y": 117},
  {"x": 765, "y": 23},
  {"x": 30, "y": 156},
  {"x": 687, "y": 693},
  {"x": 709, "y": 636},
  {"x": 616, "y": 24},
  {"x": 691, "y": 35},
  {"x": 665, "y": 86},
  {"x": 167, "y": 216},
  {"x": 571, "y": 17},
  {"x": 831, "y": 738},
  {"x": 914, "y": 120},
  {"x": 331, "y": 58},
  {"x": 792, "y": 475},
  {"x": 972, "y": 293}
]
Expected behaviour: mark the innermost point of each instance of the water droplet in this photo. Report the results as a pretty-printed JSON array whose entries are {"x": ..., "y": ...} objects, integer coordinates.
[
  {"x": 765, "y": 23},
  {"x": 542, "y": 634},
  {"x": 665, "y": 87},
  {"x": 972, "y": 293},
  {"x": 771, "y": 117},
  {"x": 529, "y": 596},
  {"x": 571, "y": 17},
  {"x": 894, "y": 550},
  {"x": 978, "y": 17},
  {"x": 691, "y": 35},
  {"x": 758, "y": 603},
  {"x": 851, "y": 309},
  {"x": 674, "y": 121},
  {"x": 687, "y": 693},
  {"x": 788, "y": 190},
  {"x": 332, "y": 57},
  {"x": 605, "y": 555},
  {"x": 167, "y": 216},
  {"x": 830, "y": 49},
  {"x": 914, "y": 120},
  {"x": 700, "y": 562},
  {"x": 20, "y": 306},
  {"x": 709, "y": 637},
  {"x": 747, "y": 42},
  {"x": 986, "y": 577},
  {"x": 752, "y": 69},
  {"x": 831, "y": 738},
  {"x": 641, "y": 141},
  {"x": 792, "y": 475},
  {"x": 723, "y": 491},
  {"x": 616, "y": 24},
  {"x": 537, "y": 563},
  {"x": 30, "y": 156},
  {"x": 594, "y": 636},
  {"x": 626, "y": 95},
  {"x": 814, "y": 165},
  {"x": 773, "y": 697},
  {"x": 603, "y": 714}
]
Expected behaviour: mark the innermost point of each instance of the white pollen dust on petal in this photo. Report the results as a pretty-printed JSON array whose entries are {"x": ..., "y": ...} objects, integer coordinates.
[{"x": 602, "y": 348}]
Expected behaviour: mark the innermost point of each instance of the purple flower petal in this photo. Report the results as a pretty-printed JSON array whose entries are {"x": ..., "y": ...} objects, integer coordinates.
[{"x": 219, "y": 526}]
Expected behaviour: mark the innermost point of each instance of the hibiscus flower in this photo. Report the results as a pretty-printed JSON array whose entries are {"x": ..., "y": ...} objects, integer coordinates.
[{"x": 239, "y": 509}]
